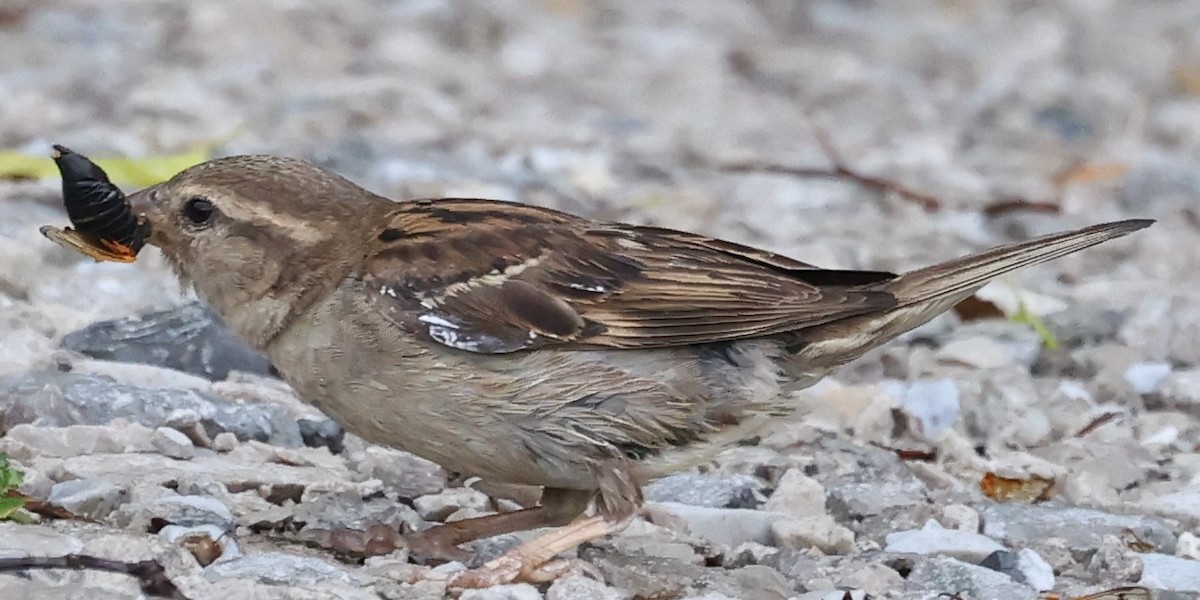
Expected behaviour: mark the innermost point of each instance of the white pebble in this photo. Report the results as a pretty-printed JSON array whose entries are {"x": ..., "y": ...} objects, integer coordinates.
[
  {"x": 1188, "y": 546},
  {"x": 172, "y": 443}
]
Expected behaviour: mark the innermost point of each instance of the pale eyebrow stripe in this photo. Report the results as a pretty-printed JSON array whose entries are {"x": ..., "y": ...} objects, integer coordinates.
[{"x": 297, "y": 228}]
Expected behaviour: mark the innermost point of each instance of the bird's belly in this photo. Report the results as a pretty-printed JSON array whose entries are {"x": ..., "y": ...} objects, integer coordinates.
[
  {"x": 390, "y": 391},
  {"x": 543, "y": 418},
  {"x": 701, "y": 451}
]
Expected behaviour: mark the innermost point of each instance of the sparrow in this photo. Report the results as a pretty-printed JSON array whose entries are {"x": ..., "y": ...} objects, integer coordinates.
[{"x": 529, "y": 346}]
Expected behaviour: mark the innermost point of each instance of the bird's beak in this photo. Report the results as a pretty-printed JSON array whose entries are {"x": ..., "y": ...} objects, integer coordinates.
[
  {"x": 144, "y": 205},
  {"x": 143, "y": 202}
]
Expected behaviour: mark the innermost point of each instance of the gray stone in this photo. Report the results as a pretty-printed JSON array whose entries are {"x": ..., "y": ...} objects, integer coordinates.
[
  {"x": 1084, "y": 325},
  {"x": 92, "y": 498},
  {"x": 852, "y": 501},
  {"x": 31, "y": 540},
  {"x": 820, "y": 532},
  {"x": 960, "y": 517},
  {"x": 1116, "y": 559},
  {"x": 1160, "y": 184},
  {"x": 1188, "y": 546},
  {"x": 934, "y": 404},
  {"x": 187, "y": 511},
  {"x": 578, "y": 587},
  {"x": 728, "y": 527},
  {"x": 407, "y": 475},
  {"x": 51, "y": 398},
  {"x": 654, "y": 546},
  {"x": 754, "y": 581},
  {"x": 322, "y": 433},
  {"x": 134, "y": 374},
  {"x": 1026, "y": 566},
  {"x": 649, "y": 577},
  {"x": 518, "y": 591},
  {"x": 1014, "y": 343},
  {"x": 715, "y": 491},
  {"x": 76, "y": 440},
  {"x": 421, "y": 590},
  {"x": 172, "y": 443},
  {"x": 970, "y": 581},
  {"x": 834, "y": 595},
  {"x": 224, "y": 442},
  {"x": 209, "y": 473},
  {"x": 227, "y": 547},
  {"x": 279, "y": 568},
  {"x": 188, "y": 338},
  {"x": 1166, "y": 572},
  {"x": 748, "y": 553},
  {"x": 1080, "y": 528},
  {"x": 436, "y": 507},
  {"x": 977, "y": 352},
  {"x": 873, "y": 578},
  {"x": 798, "y": 495},
  {"x": 936, "y": 540},
  {"x": 349, "y": 510},
  {"x": 1168, "y": 327},
  {"x": 1146, "y": 377},
  {"x": 75, "y": 586},
  {"x": 1181, "y": 390},
  {"x": 1034, "y": 570}
]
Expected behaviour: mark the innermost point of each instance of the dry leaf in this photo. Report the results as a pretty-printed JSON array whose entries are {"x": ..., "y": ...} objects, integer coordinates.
[
  {"x": 974, "y": 308},
  {"x": 1091, "y": 173},
  {"x": 1188, "y": 79},
  {"x": 203, "y": 547},
  {"x": 1033, "y": 488},
  {"x": 1131, "y": 540}
]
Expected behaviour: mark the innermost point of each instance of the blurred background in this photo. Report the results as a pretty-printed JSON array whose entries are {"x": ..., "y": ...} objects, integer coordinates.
[
  {"x": 987, "y": 121},
  {"x": 846, "y": 133}
]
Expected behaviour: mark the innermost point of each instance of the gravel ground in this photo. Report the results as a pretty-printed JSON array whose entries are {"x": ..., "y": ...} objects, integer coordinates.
[{"x": 1023, "y": 468}]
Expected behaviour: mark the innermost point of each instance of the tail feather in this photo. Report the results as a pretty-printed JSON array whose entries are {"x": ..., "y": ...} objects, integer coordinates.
[
  {"x": 962, "y": 276},
  {"x": 926, "y": 293}
]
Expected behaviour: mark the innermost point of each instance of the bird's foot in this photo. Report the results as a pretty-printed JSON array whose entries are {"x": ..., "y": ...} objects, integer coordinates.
[
  {"x": 534, "y": 561},
  {"x": 514, "y": 567}
]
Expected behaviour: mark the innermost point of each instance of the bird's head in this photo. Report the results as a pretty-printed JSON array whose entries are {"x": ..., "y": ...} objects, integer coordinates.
[{"x": 257, "y": 235}]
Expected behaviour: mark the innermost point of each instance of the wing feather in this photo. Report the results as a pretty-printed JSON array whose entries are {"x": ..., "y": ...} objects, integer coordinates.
[{"x": 495, "y": 277}]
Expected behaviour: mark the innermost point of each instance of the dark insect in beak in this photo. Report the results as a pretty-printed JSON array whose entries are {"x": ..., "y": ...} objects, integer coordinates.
[{"x": 105, "y": 226}]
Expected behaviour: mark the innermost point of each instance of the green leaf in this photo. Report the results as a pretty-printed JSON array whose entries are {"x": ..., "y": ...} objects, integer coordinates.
[
  {"x": 1027, "y": 317},
  {"x": 10, "y": 478},
  {"x": 135, "y": 172},
  {"x": 149, "y": 170},
  {"x": 14, "y": 165},
  {"x": 9, "y": 507}
]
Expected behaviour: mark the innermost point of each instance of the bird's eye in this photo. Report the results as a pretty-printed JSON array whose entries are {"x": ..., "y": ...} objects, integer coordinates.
[{"x": 199, "y": 211}]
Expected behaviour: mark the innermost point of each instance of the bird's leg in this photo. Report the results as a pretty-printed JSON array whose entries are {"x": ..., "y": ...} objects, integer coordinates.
[
  {"x": 617, "y": 501},
  {"x": 558, "y": 507},
  {"x": 529, "y": 561}
]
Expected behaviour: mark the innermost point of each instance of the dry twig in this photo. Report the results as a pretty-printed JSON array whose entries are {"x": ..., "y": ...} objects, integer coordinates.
[{"x": 149, "y": 573}]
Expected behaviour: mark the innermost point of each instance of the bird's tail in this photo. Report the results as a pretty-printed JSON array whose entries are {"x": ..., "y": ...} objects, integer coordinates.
[
  {"x": 961, "y": 277},
  {"x": 926, "y": 293}
]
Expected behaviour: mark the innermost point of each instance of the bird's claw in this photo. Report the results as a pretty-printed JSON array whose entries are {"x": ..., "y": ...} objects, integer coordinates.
[{"x": 515, "y": 569}]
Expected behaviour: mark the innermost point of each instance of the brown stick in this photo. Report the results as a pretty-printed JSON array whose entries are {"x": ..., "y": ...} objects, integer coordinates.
[
  {"x": 840, "y": 170},
  {"x": 150, "y": 575}
]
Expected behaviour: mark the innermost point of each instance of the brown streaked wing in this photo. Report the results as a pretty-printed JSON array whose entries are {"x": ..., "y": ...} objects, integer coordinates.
[{"x": 494, "y": 277}]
